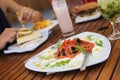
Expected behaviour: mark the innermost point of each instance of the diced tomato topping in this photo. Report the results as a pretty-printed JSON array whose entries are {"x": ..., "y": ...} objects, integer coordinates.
[
  {"x": 87, "y": 45},
  {"x": 69, "y": 48}
]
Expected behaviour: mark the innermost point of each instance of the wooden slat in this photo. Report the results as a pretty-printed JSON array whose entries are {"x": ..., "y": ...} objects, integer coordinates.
[
  {"x": 117, "y": 71},
  {"x": 23, "y": 75},
  {"x": 82, "y": 27},
  {"x": 48, "y": 77},
  {"x": 17, "y": 74},
  {"x": 9, "y": 63},
  {"x": 2, "y": 59},
  {"x": 15, "y": 71},
  {"x": 69, "y": 75},
  {"x": 94, "y": 72},
  {"x": 39, "y": 76},
  {"x": 58, "y": 76},
  {"x": 30, "y": 76},
  {"x": 110, "y": 65},
  {"x": 80, "y": 75},
  {"x": 13, "y": 66}
]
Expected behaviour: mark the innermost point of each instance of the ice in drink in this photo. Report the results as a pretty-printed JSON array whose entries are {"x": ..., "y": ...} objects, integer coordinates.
[{"x": 63, "y": 17}]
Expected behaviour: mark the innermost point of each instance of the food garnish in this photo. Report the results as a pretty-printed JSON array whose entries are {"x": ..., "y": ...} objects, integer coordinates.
[
  {"x": 71, "y": 48},
  {"x": 41, "y": 24}
]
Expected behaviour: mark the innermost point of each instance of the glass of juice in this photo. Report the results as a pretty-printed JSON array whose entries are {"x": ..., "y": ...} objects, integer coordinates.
[
  {"x": 110, "y": 10},
  {"x": 62, "y": 14}
]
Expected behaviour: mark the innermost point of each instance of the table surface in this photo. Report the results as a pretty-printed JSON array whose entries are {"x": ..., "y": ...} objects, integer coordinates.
[{"x": 12, "y": 65}]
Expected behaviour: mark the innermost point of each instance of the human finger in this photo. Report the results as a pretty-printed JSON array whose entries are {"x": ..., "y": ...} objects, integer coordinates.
[
  {"x": 29, "y": 15},
  {"x": 12, "y": 37},
  {"x": 21, "y": 14},
  {"x": 15, "y": 29},
  {"x": 36, "y": 16}
]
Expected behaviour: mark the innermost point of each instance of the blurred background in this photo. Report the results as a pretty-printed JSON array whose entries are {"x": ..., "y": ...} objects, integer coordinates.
[{"x": 43, "y": 6}]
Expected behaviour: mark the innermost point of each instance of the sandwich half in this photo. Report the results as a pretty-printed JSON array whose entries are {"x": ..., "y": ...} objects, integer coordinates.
[
  {"x": 27, "y": 37},
  {"x": 88, "y": 9}
]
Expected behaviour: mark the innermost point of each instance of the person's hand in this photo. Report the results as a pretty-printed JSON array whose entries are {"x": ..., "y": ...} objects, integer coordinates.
[
  {"x": 30, "y": 15},
  {"x": 8, "y": 36}
]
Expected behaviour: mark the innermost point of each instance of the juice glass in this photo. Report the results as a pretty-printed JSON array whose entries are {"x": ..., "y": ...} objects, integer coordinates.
[{"x": 62, "y": 14}]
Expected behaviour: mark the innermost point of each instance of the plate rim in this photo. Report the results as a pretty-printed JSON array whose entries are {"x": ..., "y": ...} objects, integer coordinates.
[{"x": 87, "y": 18}]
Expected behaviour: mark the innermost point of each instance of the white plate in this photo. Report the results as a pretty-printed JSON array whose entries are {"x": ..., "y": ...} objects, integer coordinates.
[
  {"x": 92, "y": 59},
  {"x": 44, "y": 32},
  {"x": 15, "y": 49},
  {"x": 87, "y": 18}
]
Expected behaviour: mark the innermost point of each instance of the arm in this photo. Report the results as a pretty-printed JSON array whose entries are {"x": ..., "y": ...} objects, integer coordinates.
[
  {"x": 25, "y": 13},
  {"x": 10, "y": 6}
]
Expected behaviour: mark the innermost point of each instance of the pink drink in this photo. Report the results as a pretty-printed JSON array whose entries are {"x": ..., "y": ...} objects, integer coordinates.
[{"x": 62, "y": 14}]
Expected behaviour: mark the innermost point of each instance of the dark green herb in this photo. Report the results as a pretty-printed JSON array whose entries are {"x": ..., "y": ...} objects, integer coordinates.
[{"x": 99, "y": 43}]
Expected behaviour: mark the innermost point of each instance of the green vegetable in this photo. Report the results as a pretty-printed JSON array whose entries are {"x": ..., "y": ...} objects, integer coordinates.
[
  {"x": 59, "y": 43},
  {"x": 58, "y": 64},
  {"x": 81, "y": 49},
  {"x": 46, "y": 58},
  {"x": 89, "y": 37},
  {"x": 99, "y": 43}
]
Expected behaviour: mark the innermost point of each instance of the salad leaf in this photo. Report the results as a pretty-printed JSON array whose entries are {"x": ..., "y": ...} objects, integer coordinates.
[
  {"x": 45, "y": 57},
  {"x": 99, "y": 43},
  {"x": 89, "y": 37},
  {"x": 59, "y": 43},
  {"x": 81, "y": 49},
  {"x": 60, "y": 63}
]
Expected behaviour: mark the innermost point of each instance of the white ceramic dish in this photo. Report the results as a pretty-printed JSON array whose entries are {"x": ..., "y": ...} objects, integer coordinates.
[
  {"x": 30, "y": 47},
  {"x": 92, "y": 59},
  {"x": 44, "y": 32},
  {"x": 87, "y": 18}
]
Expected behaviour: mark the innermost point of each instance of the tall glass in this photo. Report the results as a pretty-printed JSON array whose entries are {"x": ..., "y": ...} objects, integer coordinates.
[
  {"x": 63, "y": 16},
  {"x": 110, "y": 10}
]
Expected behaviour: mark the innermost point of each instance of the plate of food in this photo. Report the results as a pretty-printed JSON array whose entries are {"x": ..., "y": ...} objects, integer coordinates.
[
  {"x": 27, "y": 40},
  {"x": 69, "y": 54},
  {"x": 88, "y": 11}
]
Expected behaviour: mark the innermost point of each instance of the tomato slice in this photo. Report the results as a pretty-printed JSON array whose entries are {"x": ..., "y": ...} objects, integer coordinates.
[
  {"x": 69, "y": 48},
  {"x": 73, "y": 51},
  {"x": 61, "y": 53},
  {"x": 87, "y": 45}
]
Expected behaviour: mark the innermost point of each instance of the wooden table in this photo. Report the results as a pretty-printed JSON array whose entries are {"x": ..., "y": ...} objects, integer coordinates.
[{"x": 12, "y": 65}]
